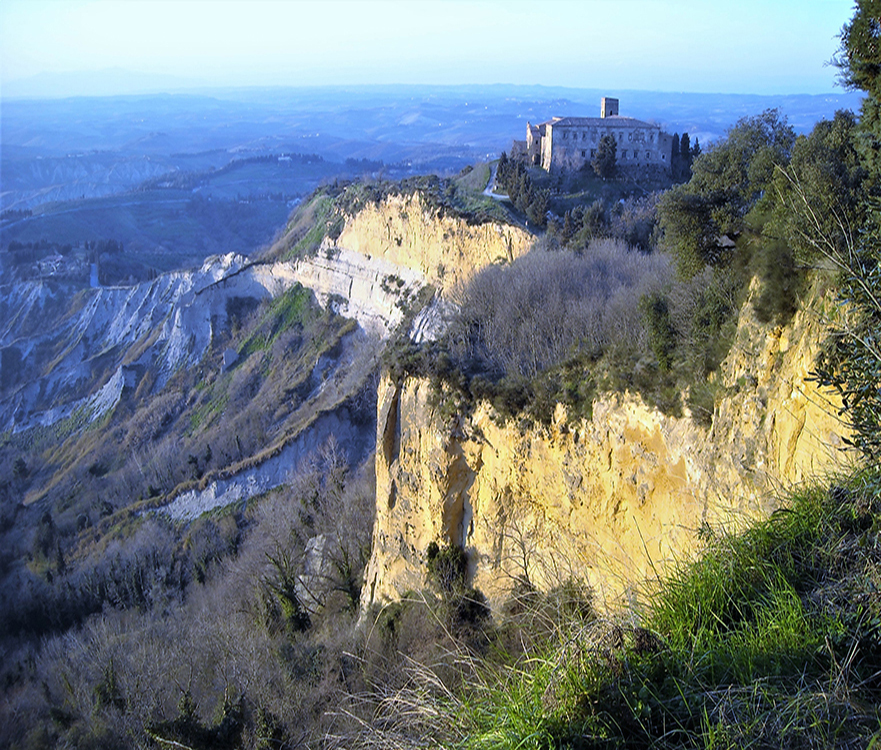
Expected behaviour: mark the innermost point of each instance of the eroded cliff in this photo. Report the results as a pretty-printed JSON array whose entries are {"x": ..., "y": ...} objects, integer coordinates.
[
  {"x": 389, "y": 251},
  {"x": 616, "y": 497},
  {"x": 445, "y": 249}
]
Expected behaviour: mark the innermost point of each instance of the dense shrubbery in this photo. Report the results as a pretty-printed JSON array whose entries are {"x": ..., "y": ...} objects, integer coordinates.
[
  {"x": 527, "y": 335},
  {"x": 759, "y": 203},
  {"x": 547, "y": 306},
  {"x": 632, "y": 221},
  {"x": 728, "y": 182},
  {"x": 561, "y": 326}
]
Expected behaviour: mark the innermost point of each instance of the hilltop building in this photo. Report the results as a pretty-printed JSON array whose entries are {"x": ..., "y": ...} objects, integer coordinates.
[{"x": 569, "y": 143}]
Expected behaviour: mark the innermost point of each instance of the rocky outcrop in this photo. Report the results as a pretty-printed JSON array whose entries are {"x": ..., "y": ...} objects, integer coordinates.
[
  {"x": 617, "y": 497},
  {"x": 446, "y": 250},
  {"x": 390, "y": 251},
  {"x": 373, "y": 291},
  {"x": 95, "y": 345}
]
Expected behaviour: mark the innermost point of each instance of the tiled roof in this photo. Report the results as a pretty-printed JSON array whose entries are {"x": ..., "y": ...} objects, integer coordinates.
[{"x": 587, "y": 122}]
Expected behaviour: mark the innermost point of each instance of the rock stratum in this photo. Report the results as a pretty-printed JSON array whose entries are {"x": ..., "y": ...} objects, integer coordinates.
[
  {"x": 445, "y": 250},
  {"x": 617, "y": 497}
]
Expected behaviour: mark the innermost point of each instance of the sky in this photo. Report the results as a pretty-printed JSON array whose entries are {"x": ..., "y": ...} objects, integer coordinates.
[{"x": 712, "y": 46}]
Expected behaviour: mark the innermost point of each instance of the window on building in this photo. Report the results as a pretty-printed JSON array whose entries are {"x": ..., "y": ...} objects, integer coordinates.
[
  {"x": 624, "y": 154},
  {"x": 648, "y": 154},
  {"x": 584, "y": 153}
]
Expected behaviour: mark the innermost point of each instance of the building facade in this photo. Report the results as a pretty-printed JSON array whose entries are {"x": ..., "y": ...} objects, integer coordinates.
[{"x": 569, "y": 143}]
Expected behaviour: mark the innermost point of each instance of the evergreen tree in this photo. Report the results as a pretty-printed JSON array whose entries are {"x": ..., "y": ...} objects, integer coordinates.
[
  {"x": 568, "y": 228},
  {"x": 676, "y": 159},
  {"x": 537, "y": 208},
  {"x": 502, "y": 170},
  {"x": 605, "y": 162},
  {"x": 685, "y": 158},
  {"x": 512, "y": 184},
  {"x": 525, "y": 190},
  {"x": 852, "y": 362}
]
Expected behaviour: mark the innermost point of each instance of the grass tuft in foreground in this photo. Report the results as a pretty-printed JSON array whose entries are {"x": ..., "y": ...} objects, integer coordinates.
[{"x": 771, "y": 639}]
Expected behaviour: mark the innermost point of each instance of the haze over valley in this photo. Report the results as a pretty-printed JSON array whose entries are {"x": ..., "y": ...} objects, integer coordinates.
[{"x": 349, "y": 399}]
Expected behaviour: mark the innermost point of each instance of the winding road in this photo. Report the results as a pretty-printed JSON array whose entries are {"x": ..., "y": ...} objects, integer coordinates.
[{"x": 491, "y": 184}]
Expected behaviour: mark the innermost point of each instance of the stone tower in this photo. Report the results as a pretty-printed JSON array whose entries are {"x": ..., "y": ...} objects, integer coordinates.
[{"x": 608, "y": 107}]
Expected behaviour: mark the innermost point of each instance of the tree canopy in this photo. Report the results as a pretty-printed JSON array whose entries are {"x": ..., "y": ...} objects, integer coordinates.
[
  {"x": 820, "y": 194},
  {"x": 851, "y": 362},
  {"x": 727, "y": 182}
]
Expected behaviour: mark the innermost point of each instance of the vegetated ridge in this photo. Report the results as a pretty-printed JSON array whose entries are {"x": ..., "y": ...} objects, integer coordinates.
[{"x": 535, "y": 368}]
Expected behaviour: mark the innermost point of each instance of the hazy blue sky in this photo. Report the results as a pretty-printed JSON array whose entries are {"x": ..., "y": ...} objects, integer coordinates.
[{"x": 732, "y": 46}]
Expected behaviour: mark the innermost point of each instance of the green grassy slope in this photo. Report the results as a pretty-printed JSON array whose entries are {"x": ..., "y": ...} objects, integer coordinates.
[{"x": 772, "y": 638}]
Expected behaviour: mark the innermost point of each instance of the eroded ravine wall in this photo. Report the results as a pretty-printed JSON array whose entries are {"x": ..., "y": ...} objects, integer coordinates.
[
  {"x": 614, "y": 498},
  {"x": 445, "y": 249}
]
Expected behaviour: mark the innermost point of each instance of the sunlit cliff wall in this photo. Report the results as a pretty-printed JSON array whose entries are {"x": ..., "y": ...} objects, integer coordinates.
[
  {"x": 406, "y": 231},
  {"x": 616, "y": 497},
  {"x": 388, "y": 252}
]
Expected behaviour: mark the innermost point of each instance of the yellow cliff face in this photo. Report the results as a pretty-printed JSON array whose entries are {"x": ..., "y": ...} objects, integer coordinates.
[
  {"x": 447, "y": 250},
  {"x": 614, "y": 498}
]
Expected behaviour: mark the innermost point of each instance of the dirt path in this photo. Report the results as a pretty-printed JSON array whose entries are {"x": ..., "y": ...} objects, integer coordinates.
[{"x": 491, "y": 184}]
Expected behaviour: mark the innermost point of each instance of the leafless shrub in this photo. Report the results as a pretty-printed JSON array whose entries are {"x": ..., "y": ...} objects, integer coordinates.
[
  {"x": 546, "y": 306},
  {"x": 182, "y": 616}
]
